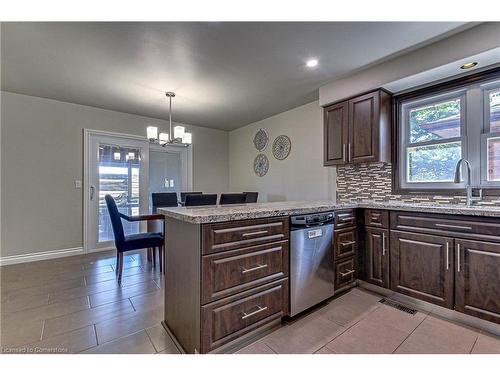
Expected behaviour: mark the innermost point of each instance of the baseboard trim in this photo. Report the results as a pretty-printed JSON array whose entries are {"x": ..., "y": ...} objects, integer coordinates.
[{"x": 45, "y": 255}]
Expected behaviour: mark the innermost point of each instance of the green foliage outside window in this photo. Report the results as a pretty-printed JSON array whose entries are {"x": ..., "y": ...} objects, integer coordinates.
[
  {"x": 436, "y": 162},
  {"x": 424, "y": 122}
]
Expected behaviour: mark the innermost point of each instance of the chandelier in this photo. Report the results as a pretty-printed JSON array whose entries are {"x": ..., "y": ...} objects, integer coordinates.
[{"x": 179, "y": 135}]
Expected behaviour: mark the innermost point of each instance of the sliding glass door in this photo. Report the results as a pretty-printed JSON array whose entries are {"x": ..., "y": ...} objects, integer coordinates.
[
  {"x": 128, "y": 168},
  {"x": 116, "y": 166}
]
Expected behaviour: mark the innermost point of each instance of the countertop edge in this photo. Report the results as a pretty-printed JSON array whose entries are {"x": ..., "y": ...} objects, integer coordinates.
[{"x": 225, "y": 217}]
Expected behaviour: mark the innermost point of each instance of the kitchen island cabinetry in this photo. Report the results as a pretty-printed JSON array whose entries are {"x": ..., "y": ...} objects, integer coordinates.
[{"x": 225, "y": 282}]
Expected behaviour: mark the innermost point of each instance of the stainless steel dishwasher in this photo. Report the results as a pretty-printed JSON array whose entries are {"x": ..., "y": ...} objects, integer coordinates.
[{"x": 311, "y": 260}]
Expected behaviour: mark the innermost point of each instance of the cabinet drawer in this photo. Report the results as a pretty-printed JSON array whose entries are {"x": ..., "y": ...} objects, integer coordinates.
[
  {"x": 225, "y": 320},
  {"x": 460, "y": 226},
  {"x": 345, "y": 243},
  {"x": 345, "y": 218},
  {"x": 345, "y": 273},
  {"x": 377, "y": 218},
  {"x": 233, "y": 235},
  {"x": 233, "y": 271}
]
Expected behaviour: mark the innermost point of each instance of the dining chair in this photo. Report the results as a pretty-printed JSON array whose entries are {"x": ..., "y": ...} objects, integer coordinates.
[
  {"x": 232, "y": 198},
  {"x": 251, "y": 196},
  {"x": 184, "y": 193},
  {"x": 201, "y": 200},
  {"x": 136, "y": 241},
  {"x": 164, "y": 200}
]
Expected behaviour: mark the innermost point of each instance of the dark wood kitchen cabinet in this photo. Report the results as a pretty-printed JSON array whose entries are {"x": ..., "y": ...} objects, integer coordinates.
[
  {"x": 377, "y": 256},
  {"x": 358, "y": 130},
  {"x": 345, "y": 250},
  {"x": 422, "y": 267},
  {"x": 336, "y": 133},
  {"x": 228, "y": 281},
  {"x": 477, "y": 278}
]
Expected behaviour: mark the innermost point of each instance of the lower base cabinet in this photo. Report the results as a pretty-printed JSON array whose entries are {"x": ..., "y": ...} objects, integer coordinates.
[
  {"x": 477, "y": 279},
  {"x": 231, "y": 318},
  {"x": 377, "y": 256},
  {"x": 421, "y": 267}
]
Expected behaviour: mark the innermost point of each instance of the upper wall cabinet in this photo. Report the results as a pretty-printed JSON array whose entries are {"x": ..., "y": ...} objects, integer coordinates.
[{"x": 358, "y": 130}]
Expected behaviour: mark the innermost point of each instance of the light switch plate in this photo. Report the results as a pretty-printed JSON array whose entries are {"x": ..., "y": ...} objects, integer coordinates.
[{"x": 78, "y": 184}]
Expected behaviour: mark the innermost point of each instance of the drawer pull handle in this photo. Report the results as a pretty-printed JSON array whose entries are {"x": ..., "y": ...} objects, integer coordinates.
[
  {"x": 348, "y": 243},
  {"x": 248, "y": 234},
  {"x": 458, "y": 257},
  {"x": 248, "y": 315},
  {"x": 259, "y": 267},
  {"x": 452, "y": 226},
  {"x": 344, "y": 219},
  {"x": 344, "y": 274}
]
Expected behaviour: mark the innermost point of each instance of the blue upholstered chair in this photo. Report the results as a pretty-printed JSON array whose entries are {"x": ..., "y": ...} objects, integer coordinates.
[
  {"x": 232, "y": 198},
  {"x": 251, "y": 196},
  {"x": 201, "y": 200},
  {"x": 134, "y": 241},
  {"x": 164, "y": 200}
]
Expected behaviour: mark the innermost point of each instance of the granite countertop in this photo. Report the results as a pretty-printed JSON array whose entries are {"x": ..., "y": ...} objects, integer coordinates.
[{"x": 214, "y": 214}]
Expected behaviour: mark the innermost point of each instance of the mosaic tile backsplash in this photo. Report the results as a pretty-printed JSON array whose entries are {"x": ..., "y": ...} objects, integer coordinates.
[{"x": 374, "y": 182}]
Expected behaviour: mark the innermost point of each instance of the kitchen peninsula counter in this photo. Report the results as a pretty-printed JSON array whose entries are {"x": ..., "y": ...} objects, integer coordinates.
[
  {"x": 224, "y": 213},
  {"x": 227, "y": 267}
]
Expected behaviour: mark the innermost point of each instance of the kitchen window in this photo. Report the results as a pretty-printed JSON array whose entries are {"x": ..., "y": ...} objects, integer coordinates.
[{"x": 438, "y": 126}]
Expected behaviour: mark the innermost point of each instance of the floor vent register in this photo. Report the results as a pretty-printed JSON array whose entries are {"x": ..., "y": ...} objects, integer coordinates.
[{"x": 398, "y": 306}]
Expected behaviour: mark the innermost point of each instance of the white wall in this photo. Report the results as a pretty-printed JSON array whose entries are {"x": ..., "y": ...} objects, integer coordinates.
[
  {"x": 299, "y": 177},
  {"x": 479, "y": 39},
  {"x": 41, "y": 157}
]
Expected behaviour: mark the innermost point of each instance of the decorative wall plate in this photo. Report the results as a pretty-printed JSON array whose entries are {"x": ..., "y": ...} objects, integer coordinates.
[
  {"x": 281, "y": 147},
  {"x": 260, "y": 140},
  {"x": 261, "y": 165}
]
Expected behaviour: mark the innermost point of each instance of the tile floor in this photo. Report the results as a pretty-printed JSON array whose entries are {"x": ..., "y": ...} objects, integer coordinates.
[
  {"x": 74, "y": 305},
  {"x": 357, "y": 323}
]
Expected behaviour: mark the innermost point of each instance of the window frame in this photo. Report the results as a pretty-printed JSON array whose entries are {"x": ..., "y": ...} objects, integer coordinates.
[
  {"x": 406, "y": 143},
  {"x": 475, "y": 85},
  {"x": 486, "y": 132}
]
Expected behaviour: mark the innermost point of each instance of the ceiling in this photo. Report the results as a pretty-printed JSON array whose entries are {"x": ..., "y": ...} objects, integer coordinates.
[{"x": 225, "y": 75}]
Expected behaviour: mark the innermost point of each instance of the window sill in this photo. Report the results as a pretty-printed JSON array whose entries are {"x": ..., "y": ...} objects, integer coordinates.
[{"x": 451, "y": 192}]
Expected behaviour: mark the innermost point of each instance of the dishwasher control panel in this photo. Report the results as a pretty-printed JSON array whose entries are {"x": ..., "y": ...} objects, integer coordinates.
[{"x": 311, "y": 219}]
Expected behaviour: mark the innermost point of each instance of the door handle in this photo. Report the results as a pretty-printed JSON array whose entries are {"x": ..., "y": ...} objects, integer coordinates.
[
  {"x": 447, "y": 255},
  {"x": 458, "y": 257},
  {"x": 92, "y": 192},
  {"x": 349, "y": 152},
  {"x": 343, "y": 152},
  {"x": 383, "y": 244}
]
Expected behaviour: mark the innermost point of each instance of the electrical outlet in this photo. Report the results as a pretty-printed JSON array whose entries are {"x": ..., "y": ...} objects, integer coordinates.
[{"x": 78, "y": 184}]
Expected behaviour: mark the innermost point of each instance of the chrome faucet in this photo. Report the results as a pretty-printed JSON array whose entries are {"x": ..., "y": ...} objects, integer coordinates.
[{"x": 468, "y": 187}]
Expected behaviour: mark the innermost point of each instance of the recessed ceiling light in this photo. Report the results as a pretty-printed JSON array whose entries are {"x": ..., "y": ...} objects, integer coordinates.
[
  {"x": 312, "y": 63},
  {"x": 468, "y": 65}
]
